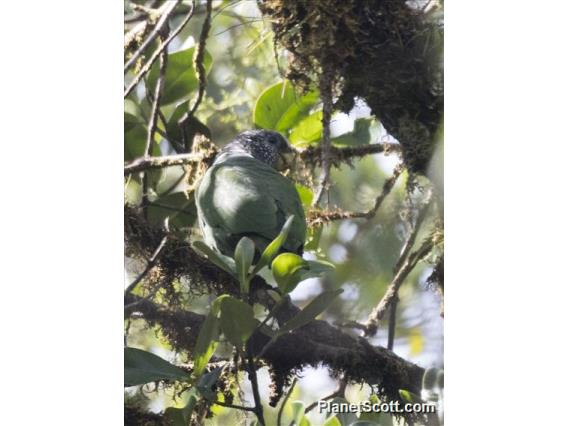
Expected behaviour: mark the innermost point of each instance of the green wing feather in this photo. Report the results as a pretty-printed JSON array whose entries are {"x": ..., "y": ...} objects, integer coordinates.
[{"x": 242, "y": 196}]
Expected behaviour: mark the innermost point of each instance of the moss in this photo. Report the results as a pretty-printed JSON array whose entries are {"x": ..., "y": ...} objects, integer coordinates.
[{"x": 382, "y": 51}]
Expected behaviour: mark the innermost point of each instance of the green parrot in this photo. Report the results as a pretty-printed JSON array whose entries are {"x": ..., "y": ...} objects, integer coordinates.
[{"x": 243, "y": 195}]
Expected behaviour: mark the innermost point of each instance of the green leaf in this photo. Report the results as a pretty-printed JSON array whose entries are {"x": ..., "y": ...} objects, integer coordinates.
[
  {"x": 364, "y": 131},
  {"x": 298, "y": 410},
  {"x": 311, "y": 311},
  {"x": 132, "y": 115},
  {"x": 287, "y": 269},
  {"x": 143, "y": 367},
  {"x": 304, "y": 422},
  {"x": 207, "y": 342},
  {"x": 373, "y": 416},
  {"x": 347, "y": 418},
  {"x": 181, "y": 78},
  {"x": 316, "y": 268},
  {"x": 135, "y": 137},
  {"x": 216, "y": 304},
  {"x": 132, "y": 108},
  {"x": 280, "y": 108},
  {"x": 244, "y": 255},
  {"x": 332, "y": 421},
  {"x": 306, "y": 195},
  {"x": 224, "y": 262},
  {"x": 308, "y": 131},
  {"x": 237, "y": 320},
  {"x": 313, "y": 238},
  {"x": 272, "y": 249},
  {"x": 130, "y": 121},
  {"x": 182, "y": 416},
  {"x": 172, "y": 128},
  {"x": 134, "y": 141},
  {"x": 409, "y": 396}
]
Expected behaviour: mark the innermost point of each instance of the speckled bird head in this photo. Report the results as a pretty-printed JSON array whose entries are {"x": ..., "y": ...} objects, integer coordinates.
[{"x": 264, "y": 145}]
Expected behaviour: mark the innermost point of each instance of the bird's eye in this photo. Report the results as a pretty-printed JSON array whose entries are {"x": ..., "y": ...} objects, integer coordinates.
[{"x": 273, "y": 140}]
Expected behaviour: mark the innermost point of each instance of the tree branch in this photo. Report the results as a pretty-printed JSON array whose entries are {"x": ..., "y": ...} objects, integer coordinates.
[
  {"x": 201, "y": 74},
  {"x": 314, "y": 344},
  {"x": 139, "y": 164},
  {"x": 157, "y": 53},
  {"x": 309, "y": 155},
  {"x": 392, "y": 323},
  {"x": 286, "y": 398},
  {"x": 144, "y": 24},
  {"x": 340, "y": 391},
  {"x": 149, "y": 265},
  {"x": 319, "y": 217},
  {"x": 326, "y": 85},
  {"x": 317, "y": 343},
  {"x": 390, "y": 295},
  {"x": 254, "y": 384},
  {"x": 236, "y": 407},
  {"x": 409, "y": 243},
  {"x": 166, "y": 10},
  {"x": 337, "y": 155},
  {"x": 153, "y": 122}
]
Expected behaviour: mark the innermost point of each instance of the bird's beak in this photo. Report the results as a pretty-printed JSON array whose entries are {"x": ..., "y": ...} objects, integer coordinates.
[
  {"x": 287, "y": 148},
  {"x": 287, "y": 156}
]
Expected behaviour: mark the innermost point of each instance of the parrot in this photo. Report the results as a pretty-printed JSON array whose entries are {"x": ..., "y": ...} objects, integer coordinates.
[{"x": 242, "y": 194}]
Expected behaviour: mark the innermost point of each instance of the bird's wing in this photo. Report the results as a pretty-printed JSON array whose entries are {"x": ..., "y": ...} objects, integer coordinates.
[{"x": 245, "y": 197}]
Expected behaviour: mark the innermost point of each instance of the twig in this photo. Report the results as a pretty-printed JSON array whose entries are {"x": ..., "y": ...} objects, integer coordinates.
[
  {"x": 175, "y": 144},
  {"x": 129, "y": 308},
  {"x": 319, "y": 217},
  {"x": 252, "y": 21},
  {"x": 166, "y": 9},
  {"x": 254, "y": 384},
  {"x": 141, "y": 29},
  {"x": 141, "y": 163},
  {"x": 149, "y": 265},
  {"x": 236, "y": 407},
  {"x": 138, "y": 31},
  {"x": 326, "y": 86},
  {"x": 226, "y": 6},
  {"x": 416, "y": 228},
  {"x": 339, "y": 155},
  {"x": 273, "y": 311},
  {"x": 158, "y": 51},
  {"x": 392, "y": 323},
  {"x": 403, "y": 255},
  {"x": 153, "y": 123},
  {"x": 279, "y": 418},
  {"x": 338, "y": 392},
  {"x": 135, "y": 18},
  {"x": 145, "y": 9},
  {"x": 201, "y": 73},
  {"x": 378, "y": 313}
]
